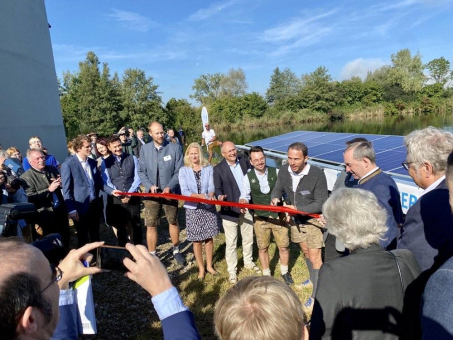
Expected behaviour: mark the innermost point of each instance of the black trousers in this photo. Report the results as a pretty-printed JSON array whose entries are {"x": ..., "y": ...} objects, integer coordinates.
[
  {"x": 88, "y": 225},
  {"x": 124, "y": 214},
  {"x": 55, "y": 221}
]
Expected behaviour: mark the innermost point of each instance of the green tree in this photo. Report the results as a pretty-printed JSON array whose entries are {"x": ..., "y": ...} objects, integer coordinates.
[
  {"x": 439, "y": 71},
  {"x": 233, "y": 84},
  {"x": 183, "y": 115},
  {"x": 319, "y": 93},
  {"x": 254, "y": 105},
  {"x": 141, "y": 100},
  {"x": 207, "y": 88},
  {"x": 319, "y": 77},
  {"x": 282, "y": 84},
  {"x": 407, "y": 71}
]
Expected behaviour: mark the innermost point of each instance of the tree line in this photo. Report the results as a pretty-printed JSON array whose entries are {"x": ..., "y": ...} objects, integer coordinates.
[{"x": 94, "y": 100}]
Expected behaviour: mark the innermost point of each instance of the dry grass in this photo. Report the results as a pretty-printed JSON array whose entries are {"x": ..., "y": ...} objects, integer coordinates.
[{"x": 201, "y": 296}]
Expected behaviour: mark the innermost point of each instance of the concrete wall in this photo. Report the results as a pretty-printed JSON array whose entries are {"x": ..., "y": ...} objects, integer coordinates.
[{"x": 29, "y": 103}]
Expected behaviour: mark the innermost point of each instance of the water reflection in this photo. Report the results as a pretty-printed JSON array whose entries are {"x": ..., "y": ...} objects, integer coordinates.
[{"x": 394, "y": 125}]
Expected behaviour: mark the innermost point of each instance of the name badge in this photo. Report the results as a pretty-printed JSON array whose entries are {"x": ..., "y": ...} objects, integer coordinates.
[
  {"x": 305, "y": 192},
  {"x": 167, "y": 158}
]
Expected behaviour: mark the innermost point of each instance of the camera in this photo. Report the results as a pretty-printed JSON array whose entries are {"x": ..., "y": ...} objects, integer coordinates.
[{"x": 11, "y": 213}]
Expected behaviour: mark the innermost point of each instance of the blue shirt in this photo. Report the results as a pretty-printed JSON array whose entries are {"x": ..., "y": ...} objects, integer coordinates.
[
  {"x": 50, "y": 160},
  {"x": 108, "y": 182}
]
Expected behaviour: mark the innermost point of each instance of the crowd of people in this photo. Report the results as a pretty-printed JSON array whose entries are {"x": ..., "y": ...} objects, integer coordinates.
[{"x": 382, "y": 275}]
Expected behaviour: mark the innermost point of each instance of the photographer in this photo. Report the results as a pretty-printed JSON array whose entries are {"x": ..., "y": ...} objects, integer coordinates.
[
  {"x": 126, "y": 142},
  {"x": 29, "y": 295}
]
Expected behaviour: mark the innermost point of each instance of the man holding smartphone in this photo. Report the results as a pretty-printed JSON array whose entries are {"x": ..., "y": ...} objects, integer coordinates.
[
  {"x": 120, "y": 174},
  {"x": 160, "y": 162},
  {"x": 42, "y": 185}
]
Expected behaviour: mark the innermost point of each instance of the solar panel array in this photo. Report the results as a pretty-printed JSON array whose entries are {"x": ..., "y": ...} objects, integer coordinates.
[{"x": 329, "y": 146}]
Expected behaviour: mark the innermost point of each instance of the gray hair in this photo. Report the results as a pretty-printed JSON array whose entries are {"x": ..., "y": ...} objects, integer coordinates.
[
  {"x": 30, "y": 151},
  {"x": 355, "y": 217},
  {"x": 362, "y": 150},
  {"x": 429, "y": 145},
  {"x": 4, "y": 154}
]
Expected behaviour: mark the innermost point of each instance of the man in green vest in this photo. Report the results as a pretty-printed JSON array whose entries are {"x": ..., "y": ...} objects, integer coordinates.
[{"x": 258, "y": 184}]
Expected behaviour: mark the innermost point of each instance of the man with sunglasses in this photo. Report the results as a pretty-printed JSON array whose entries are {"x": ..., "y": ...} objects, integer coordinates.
[{"x": 209, "y": 139}]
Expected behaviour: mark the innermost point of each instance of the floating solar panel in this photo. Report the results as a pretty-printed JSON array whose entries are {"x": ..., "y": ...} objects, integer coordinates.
[{"x": 329, "y": 146}]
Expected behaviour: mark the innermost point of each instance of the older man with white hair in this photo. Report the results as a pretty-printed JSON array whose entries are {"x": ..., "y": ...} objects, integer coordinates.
[{"x": 428, "y": 229}]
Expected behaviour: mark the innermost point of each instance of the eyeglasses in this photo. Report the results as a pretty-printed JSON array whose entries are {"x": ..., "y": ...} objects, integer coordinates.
[
  {"x": 57, "y": 274},
  {"x": 406, "y": 165}
]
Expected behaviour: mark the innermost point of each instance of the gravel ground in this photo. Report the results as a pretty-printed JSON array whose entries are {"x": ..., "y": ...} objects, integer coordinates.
[{"x": 123, "y": 309}]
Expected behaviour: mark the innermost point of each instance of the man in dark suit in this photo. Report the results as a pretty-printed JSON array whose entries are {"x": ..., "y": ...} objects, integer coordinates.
[
  {"x": 81, "y": 183},
  {"x": 228, "y": 183},
  {"x": 142, "y": 139},
  {"x": 428, "y": 229}
]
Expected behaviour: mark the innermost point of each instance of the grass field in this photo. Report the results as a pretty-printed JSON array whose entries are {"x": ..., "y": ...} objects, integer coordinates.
[{"x": 201, "y": 296}]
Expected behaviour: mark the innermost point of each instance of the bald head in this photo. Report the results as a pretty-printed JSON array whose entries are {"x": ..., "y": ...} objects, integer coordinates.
[
  {"x": 17, "y": 257},
  {"x": 156, "y": 131},
  {"x": 229, "y": 152}
]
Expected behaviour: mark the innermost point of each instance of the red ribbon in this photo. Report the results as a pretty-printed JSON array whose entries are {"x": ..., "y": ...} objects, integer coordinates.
[{"x": 272, "y": 208}]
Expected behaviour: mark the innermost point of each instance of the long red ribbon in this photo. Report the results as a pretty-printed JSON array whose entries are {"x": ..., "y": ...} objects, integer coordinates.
[{"x": 272, "y": 208}]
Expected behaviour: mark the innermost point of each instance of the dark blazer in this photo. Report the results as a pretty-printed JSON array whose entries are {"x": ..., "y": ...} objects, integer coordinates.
[
  {"x": 138, "y": 146},
  {"x": 180, "y": 326},
  {"x": 76, "y": 189},
  {"x": 360, "y": 296},
  {"x": 225, "y": 184},
  {"x": 428, "y": 229}
]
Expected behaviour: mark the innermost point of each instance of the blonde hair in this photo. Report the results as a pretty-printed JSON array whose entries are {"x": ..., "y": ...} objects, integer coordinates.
[
  {"x": 259, "y": 307},
  {"x": 188, "y": 162},
  {"x": 12, "y": 150}
]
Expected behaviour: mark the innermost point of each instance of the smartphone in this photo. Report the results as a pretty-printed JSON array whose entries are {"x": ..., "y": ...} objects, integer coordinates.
[{"x": 111, "y": 258}]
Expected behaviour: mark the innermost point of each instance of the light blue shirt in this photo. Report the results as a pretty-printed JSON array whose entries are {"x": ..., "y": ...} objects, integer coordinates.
[
  {"x": 238, "y": 174},
  {"x": 168, "y": 303}
]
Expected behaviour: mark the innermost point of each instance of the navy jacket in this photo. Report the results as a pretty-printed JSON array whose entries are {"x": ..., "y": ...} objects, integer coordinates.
[
  {"x": 428, "y": 229},
  {"x": 225, "y": 184},
  {"x": 76, "y": 189},
  {"x": 388, "y": 196}
]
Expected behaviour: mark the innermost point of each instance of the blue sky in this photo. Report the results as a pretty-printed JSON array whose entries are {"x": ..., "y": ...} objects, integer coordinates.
[{"x": 175, "y": 41}]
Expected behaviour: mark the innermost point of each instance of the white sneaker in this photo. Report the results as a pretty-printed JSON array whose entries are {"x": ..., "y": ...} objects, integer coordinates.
[
  {"x": 233, "y": 278},
  {"x": 253, "y": 267}
]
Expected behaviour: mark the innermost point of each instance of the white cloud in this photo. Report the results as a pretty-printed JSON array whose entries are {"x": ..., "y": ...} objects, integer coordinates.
[
  {"x": 132, "y": 21},
  {"x": 295, "y": 28},
  {"x": 205, "y": 13},
  {"x": 360, "y": 68}
]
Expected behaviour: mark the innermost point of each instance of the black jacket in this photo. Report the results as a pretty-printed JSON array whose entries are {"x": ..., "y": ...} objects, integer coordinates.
[
  {"x": 360, "y": 296},
  {"x": 225, "y": 184}
]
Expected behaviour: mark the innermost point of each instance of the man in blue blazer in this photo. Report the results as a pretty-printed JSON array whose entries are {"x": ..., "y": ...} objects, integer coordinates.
[
  {"x": 159, "y": 166},
  {"x": 428, "y": 229},
  {"x": 81, "y": 182}
]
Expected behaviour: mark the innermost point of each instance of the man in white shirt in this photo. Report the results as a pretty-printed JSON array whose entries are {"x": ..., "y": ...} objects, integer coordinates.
[
  {"x": 210, "y": 140},
  {"x": 257, "y": 187}
]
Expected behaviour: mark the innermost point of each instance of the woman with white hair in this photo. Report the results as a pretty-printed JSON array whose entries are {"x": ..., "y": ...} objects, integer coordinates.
[{"x": 360, "y": 296}]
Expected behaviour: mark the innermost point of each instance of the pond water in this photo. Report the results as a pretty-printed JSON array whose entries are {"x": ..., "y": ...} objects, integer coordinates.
[{"x": 394, "y": 125}]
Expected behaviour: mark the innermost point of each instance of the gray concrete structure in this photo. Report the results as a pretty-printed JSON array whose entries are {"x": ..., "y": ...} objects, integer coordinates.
[{"x": 29, "y": 103}]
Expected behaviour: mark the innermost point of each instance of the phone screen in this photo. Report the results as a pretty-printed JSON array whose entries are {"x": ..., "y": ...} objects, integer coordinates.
[{"x": 111, "y": 258}]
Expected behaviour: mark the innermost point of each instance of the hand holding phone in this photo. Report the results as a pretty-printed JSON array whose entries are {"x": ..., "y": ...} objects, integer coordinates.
[{"x": 111, "y": 258}]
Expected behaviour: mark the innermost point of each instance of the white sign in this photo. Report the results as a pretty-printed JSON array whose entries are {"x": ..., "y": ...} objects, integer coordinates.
[{"x": 204, "y": 117}]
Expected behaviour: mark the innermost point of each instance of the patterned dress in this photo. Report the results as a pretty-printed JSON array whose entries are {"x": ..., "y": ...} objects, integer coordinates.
[{"x": 201, "y": 223}]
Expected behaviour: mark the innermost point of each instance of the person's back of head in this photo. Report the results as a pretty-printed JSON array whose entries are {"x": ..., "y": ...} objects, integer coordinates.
[{"x": 259, "y": 308}]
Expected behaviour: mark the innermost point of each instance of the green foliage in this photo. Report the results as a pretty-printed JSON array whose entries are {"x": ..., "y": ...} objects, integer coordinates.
[
  {"x": 439, "y": 71},
  {"x": 407, "y": 71},
  {"x": 233, "y": 84},
  {"x": 183, "y": 115},
  {"x": 231, "y": 109},
  {"x": 207, "y": 88},
  {"x": 282, "y": 85},
  {"x": 141, "y": 100}
]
